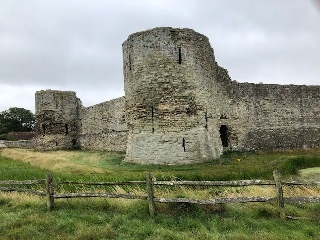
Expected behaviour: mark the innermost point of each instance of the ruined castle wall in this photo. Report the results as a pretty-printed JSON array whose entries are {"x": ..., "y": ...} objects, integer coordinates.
[
  {"x": 271, "y": 116},
  {"x": 103, "y": 126},
  {"x": 57, "y": 119},
  {"x": 228, "y": 111},
  {"x": 168, "y": 76},
  {"x": 284, "y": 116},
  {"x": 179, "y": 107}
]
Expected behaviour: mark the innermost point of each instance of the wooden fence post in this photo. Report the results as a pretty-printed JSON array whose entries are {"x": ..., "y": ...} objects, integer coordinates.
[
  {"x": 279, "y": 190},
  {"x": 50, "y": 192},
  {"x": 152, "y": 207}
]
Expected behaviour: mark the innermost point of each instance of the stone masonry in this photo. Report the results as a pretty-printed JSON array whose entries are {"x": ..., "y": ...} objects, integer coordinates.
[{"x": 180, "y": 107}]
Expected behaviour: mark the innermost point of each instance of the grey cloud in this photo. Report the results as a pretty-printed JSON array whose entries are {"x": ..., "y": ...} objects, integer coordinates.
[{"x": 76, "y": 44}]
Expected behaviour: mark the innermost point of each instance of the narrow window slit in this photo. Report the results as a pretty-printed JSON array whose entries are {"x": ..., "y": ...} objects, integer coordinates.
[
  {"x": 152, "y": 118},
  {"x": 206, "y": 118},
  {"x": 44, "y": 129},
  {"x": 66, "y": 129},
  {"x": 180, "y": 57},
  {"x": 184, "y": 144},
  {"x": 129, "y": 61}
]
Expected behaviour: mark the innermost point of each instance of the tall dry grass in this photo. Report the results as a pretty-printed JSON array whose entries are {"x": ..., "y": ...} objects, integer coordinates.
[{"x": 57, "y": 161}]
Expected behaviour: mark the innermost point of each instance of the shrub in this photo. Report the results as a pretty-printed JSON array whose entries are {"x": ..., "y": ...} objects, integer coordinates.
[{"x": 6, "y": 137}]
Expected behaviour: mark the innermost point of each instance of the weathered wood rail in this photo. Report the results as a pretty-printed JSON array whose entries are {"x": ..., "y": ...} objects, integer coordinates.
[
  {"x": 150, "y": 185},
  {"x": 9, "y": 186}
]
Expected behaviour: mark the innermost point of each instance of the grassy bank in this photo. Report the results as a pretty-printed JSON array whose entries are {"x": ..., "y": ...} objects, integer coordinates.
[
  {"x": 25, "y": 217},
  {"x": 89, "y": 165}
]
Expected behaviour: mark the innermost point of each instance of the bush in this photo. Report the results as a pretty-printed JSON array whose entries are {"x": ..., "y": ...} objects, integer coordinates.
[{"x": 6, "y": 137}]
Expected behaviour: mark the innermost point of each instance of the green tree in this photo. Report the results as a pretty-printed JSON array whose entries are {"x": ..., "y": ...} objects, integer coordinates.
[{"x": 16, "y": 120}]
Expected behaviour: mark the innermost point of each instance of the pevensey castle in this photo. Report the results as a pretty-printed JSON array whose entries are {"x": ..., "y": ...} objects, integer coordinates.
[{"x": 180, "y": 107}]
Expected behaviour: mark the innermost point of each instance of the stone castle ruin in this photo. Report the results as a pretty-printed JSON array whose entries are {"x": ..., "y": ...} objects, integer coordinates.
[{"x": 180, "y": 107}]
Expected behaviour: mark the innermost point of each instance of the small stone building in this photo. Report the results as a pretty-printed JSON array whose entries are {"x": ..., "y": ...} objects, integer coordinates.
[{"x": 180, "y": 107}]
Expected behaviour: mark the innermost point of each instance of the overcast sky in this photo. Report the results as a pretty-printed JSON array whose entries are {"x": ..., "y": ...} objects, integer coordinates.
[{"x": 76, "y": 44}]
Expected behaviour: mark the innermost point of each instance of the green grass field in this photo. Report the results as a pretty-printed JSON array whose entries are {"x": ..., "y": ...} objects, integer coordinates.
[{"x": 24, "y": 216}]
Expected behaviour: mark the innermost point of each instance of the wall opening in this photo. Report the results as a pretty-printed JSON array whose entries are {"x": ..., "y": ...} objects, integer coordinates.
[
  {"x": 184, "y": 144},
  {"x": 224, "y": 135},
  {"x": 152, "y": 118},
  {"x": 44, "y": 129},
  {"x": 129, "y": 61},
  {"x": 179, "y": 57},
  {"x": 206, "y": 118},
  {"x": 66, "y": 129}
]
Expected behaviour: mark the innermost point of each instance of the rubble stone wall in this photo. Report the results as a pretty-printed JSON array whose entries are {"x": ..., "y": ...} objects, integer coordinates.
[
  {"x": 103, "y": 126},
  {"x": 270, "y": 116}
]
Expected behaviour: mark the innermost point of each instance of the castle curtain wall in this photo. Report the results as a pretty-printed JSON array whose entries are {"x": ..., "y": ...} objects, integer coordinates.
[
  {"x": 103, "y": 126},
  {"x": 271, "y": 116}
]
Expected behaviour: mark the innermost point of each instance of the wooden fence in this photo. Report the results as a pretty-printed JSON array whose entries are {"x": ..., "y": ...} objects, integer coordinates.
[{"x": 150, "y": 183}]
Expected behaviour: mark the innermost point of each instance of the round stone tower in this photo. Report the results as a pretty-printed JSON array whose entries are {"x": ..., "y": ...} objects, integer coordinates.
[
  {"x": 57, "y": 119},
  {"x": 169, "y": 88}
]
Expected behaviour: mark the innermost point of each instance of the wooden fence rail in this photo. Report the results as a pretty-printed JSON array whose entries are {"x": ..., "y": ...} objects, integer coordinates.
[
  {"x": 104, "y": 183},
  {"x": 26, "y": 182},
  {"x": 9, "y": 186},
  {"x": 150, "y": 185},
  {"x": 238, "y": 183}
]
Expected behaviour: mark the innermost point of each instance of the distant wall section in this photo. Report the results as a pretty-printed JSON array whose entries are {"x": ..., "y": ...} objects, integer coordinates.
[
  {"x": 103, "y": 126},
  {"x": 63, "y": 123},
  {"x": 57, "y": 119},
  {"x": 283, "y": 116},
  {"x": 269, "y": 116}
]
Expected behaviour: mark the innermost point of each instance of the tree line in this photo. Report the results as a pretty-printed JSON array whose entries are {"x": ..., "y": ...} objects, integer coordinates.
[{"x": 15, "y": 120}]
